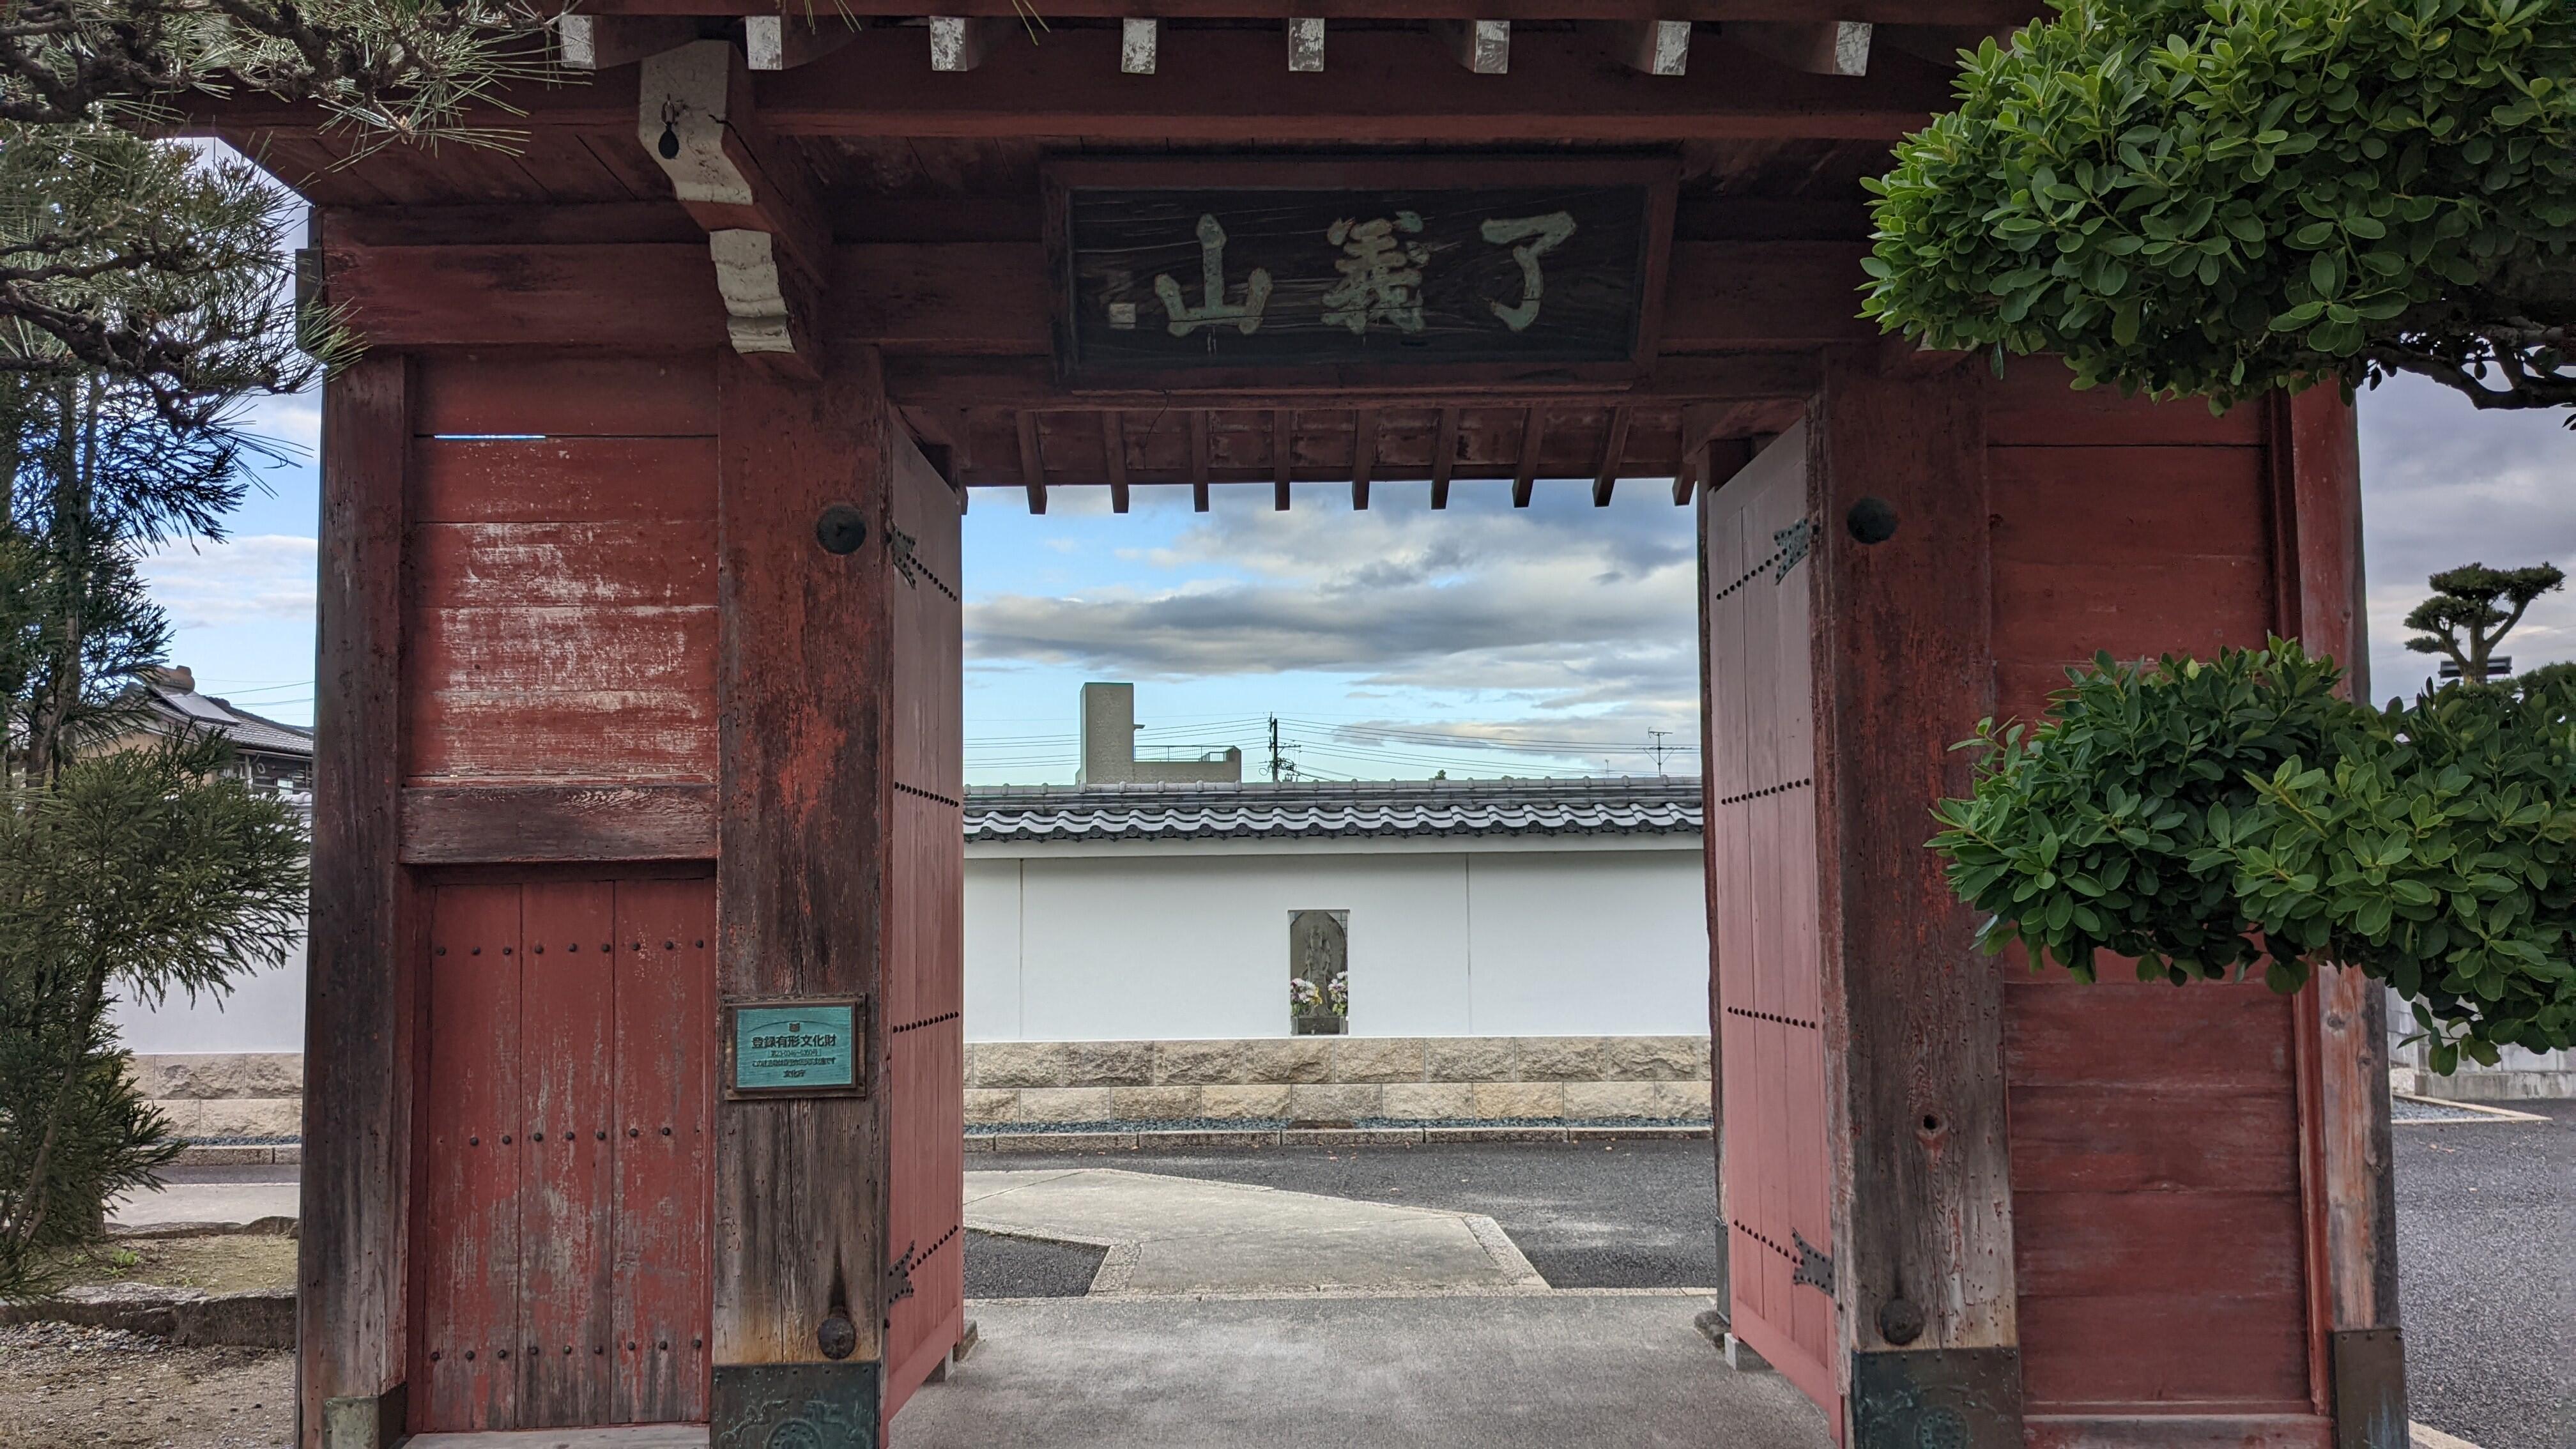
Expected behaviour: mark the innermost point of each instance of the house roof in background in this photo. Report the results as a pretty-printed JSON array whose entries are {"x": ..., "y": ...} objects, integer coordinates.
[
  {"x": 174, "y": 697},
  {"x": 1313, "y": 811}
]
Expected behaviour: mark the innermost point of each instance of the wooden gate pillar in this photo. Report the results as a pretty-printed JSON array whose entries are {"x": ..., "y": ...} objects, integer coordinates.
[
  {"x": 2342, "y": 1022},
  {"x": 801, "y": 893},
  {"x": 355, "y": 1200},
  {"x": 1923, "y": 1263}
]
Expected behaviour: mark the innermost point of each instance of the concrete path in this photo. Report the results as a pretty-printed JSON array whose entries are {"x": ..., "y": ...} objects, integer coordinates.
[
  {"x": 209, "y": 1195},
  {"x": 1180, "y": 1235},
  {"x": 1513, "y": 1372}
]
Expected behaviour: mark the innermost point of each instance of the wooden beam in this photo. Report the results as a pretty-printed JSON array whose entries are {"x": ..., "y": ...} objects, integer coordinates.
[
  {"x": 784, "y": 42},
  {"x": 1444, "y": 457},
  {"x": 1726, "y": 457},
  {"x": 1113, "y": 447},
  {"x": 1139, "y": 40},
  {"x": 1686, "y": 475},
  {"x": 1652, "y": 47},
  {"x": 1921, "y": 12},
  {"x": 1826, "y": 47},
  {"x": 1385, "y": 86},
  {"x": 1032, "y": 462},
  {"x": 1922, "y": 1221},
  {"x": 605, "y": 42},
  {"x": 768, "y": 239},
  {"x": 1198, "y": 461},
  {"x": 803, "y": 714},
  {"x": 1305, "y": 45},
  {"x": 1363, "y": 455},
  {"x": 977, "y": 299},
  {"x": 1484, "y": 47},
  {"x": 1614, "y": 451},
  {"x": 960, "y": 43},
  {"x": 1283, "y": 451},
  {"x": 352, "y": 1323},
  {"x": 948, "y": 384},
  {"x": 1525, "y": 474},
  {"x": 475, "y": 825}
]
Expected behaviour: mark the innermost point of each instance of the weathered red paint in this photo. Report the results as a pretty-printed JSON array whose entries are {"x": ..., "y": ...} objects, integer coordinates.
[{"x": 1778, "y": 1175}]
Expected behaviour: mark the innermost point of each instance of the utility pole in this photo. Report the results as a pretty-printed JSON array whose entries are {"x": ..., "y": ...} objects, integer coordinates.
[
  {"x": 1274, "y": 750},
  {"x": 1659, "y": 747}
]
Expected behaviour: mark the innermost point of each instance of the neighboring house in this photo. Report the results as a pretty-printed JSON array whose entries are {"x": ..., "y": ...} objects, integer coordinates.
[
  {"x": 1457, "y": 907},
  {"x": 274, "y": 756}
]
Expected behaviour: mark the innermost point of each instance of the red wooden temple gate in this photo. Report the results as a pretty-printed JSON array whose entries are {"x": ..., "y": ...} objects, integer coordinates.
[{"x": 634, "y": 1038}]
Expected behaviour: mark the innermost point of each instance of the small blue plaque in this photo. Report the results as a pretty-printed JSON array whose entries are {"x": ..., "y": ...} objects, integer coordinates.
[{"x": 799, "y": 1047}]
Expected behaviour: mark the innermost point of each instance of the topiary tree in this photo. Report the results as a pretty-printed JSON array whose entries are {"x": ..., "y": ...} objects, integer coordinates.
[
  {"x": 2473, "y": 608},
  {"x": 2211, "y": 818},
  {"x": 2226, "y": 196}
]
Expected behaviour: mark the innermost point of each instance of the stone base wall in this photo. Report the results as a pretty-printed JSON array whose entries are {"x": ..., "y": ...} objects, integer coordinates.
[
  {"x": 226, "y": 1094},
  {"x": 215, "y": 1095},
  {"x": 1340, "y": 1079}
]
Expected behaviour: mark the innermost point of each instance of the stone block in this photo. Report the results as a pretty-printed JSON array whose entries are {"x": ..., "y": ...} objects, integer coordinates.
[
  {"x": 1019, "y": 1064},
  {"x": 1250, "y": 1062},
  {"x": 1520, "y": 1099},
  {"x": 1332, "y": 1102},
  {"x": 1108, "y": 1063},
  {"x": 1239, "y": 1103},
  {"x": 1613, "y": 1101},
  {"x": 1468, "y": 1059},
  {"x": 1559, "y": 1059},
  {"x": 199, "y": 1118},
  {"x": 986, "y": 1104},
  {"x": 1691, "y": 1101},
  {"x": 1378, "y": 1058},
  {"x": 1428, "y": 1101},
  {"x": 1155, "y": 1104},
  {"x": 1065, "y": 1104},
  {"x": 1656, "y": 1058},
  {"x": 166, "y": 1075}
]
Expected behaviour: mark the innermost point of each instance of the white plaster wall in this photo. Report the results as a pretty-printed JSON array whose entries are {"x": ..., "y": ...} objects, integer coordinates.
[
  {"x": 264, "y": 1013},
  {"x": 1131, "y": 945},
  {"x": 1608, "y": 943},
  {"x": 993, "y": 950},
  {"x": 1121, "y": 948}
]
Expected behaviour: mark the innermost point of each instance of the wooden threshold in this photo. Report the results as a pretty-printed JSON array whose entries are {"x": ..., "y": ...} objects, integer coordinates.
[{"x": 619, "y": 1436}]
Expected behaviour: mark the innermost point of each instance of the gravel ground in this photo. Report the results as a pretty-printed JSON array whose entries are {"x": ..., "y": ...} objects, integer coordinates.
[
  {"x": 2486, "y": 1250},
  {"x": 1000, "y": 1267},
  {"x": 97, "y": 1388},
  {"x": 1586, "y": 1214}
]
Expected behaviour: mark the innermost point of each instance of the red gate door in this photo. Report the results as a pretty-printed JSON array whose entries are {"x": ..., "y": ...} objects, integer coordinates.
[
  {"x": 1775, "y": 1180},
  {"x": 564, "y": 1192},
  {"x": 924, "y": 978}
]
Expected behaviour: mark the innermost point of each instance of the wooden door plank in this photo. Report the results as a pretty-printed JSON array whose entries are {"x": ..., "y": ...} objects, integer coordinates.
[
  {"x": 662, "y": 1133},
  {"x": 567, "y": 1048},
  {"x": 468, "y": 1221}
]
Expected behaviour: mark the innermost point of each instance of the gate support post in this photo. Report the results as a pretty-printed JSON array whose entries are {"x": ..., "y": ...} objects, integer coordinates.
[
  {"x": 800, "y": 890},
  {"x": 2342, "y": 1027},
  {"x": 1913, "y": 1011},
  {"x": 351, "y": 1263}
]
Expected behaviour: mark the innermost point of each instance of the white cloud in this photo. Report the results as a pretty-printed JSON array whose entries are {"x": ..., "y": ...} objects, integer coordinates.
[
  {"x": 1571, "y": 611},
  {"x": 240, "y": 580}
]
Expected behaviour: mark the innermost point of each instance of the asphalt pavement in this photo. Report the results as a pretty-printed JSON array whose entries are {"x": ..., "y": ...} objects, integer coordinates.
[
  {"x": 1585, "y": 1214},
  {"x": 2486, "y": 1253}
]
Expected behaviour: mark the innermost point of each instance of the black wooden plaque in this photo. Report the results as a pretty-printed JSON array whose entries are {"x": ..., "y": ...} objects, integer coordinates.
[{"x": 1239, "y": 269}]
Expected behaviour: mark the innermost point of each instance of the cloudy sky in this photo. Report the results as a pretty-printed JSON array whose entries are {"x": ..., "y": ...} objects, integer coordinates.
[{"x": 1396, "y": 642}]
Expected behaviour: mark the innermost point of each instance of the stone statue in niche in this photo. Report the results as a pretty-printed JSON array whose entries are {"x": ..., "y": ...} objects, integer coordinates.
[{"x": 1319, "y": 992}]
